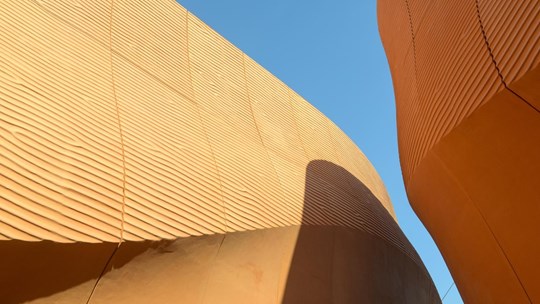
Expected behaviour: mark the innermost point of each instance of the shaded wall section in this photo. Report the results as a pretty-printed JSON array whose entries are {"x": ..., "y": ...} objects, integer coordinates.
[
  {"x": 365, "y": 261},
  {"x": 466, "y": 80},
  {"x": 132, "y": 130}
]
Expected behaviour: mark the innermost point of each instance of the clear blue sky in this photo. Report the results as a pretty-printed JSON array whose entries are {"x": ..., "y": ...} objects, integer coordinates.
[{"x": 331, "y": 54}]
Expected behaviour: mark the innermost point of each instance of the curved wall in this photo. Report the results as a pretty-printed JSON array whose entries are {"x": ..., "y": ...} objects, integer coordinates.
[
  {"x": 466, "y": 77},
  {"x": 146, "y": 159}
]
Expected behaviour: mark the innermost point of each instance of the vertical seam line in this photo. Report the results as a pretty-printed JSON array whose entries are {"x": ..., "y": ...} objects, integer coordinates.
[
  {"x": 113, "y": 83},
  {"x": 296, "y": 123},
  {"x": 484, "y": 36},
  {"x": 249, "y": 99},
  {"x": 488, "y": 46},
  {"x": 333, "y": 141},
  {"x": 281, "y": 188},
  {"x": 494, "y": 61},
  {"x": 212, "y": 266},
  {"x": 102, "y": 273},
  {"x": 118, "y": 116},
  {"x": 484, "y": 221},
  {"x": 255, "y": 121},
  {"x": 197, "y": 106},
  {"x": 413, "y": 41}
]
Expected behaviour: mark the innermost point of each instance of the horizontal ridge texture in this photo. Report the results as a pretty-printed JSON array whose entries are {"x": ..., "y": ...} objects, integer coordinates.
[
  {"x": 60, "y": 164},
  {"x": 137, "y": 121},
  {"x": 512, "y": 31},
  {"x": 436, "y": 95},
  {"x": 466, "y": 76}
]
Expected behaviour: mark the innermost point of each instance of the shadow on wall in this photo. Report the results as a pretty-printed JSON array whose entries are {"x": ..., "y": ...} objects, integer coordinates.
[
  {"x": 346, "y": 251},
  {"x": 33, "y": 270},
  {"x": 354, "y": 258}
]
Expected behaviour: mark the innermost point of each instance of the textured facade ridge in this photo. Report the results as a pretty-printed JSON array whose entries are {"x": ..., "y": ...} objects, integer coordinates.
[
  {"x": 466, "y": 80},
  {"x": 145, "y": 158}
]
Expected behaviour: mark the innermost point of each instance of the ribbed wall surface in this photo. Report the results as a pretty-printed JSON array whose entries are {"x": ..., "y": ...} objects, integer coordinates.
[
  {"x": 126, "y": 122},
  {"x": 466, "y": 85},
  {"x": 183, "y": 154},
  {"x": 512, "y": 33},
  {"x": 403, "y": 73},
  {"x": 438, "y": 98},
  {"x": 511, "y": 29},
  {"x": 460, "y": 83},
  {"x": 61, "y": 165}
]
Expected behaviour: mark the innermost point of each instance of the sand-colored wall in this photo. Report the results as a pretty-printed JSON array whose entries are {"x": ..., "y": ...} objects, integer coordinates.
[
  {"x": 126, "y": 122},
  {"x": 198, "y": 125},
  {"x": 466, "y": 77}
]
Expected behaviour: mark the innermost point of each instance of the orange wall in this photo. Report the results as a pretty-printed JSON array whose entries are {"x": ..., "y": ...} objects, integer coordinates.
[
  {"x": 466, "y": 80},
  {"x": 148, "y": 125},
  {"x": 135, "y": 140}
]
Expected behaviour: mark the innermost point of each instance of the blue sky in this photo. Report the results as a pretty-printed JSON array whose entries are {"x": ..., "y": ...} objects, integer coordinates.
[{"x": 331, "y": 54}]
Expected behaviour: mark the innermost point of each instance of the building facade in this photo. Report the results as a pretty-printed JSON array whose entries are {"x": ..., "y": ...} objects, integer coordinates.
[
  {"x": 145, "y": 159},
  {"x": 466, "y": 78}
]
